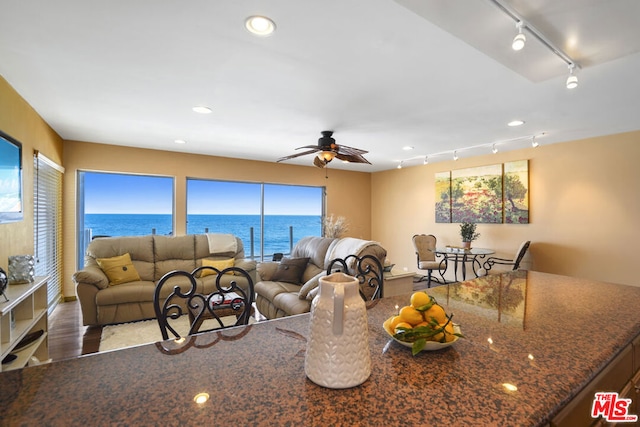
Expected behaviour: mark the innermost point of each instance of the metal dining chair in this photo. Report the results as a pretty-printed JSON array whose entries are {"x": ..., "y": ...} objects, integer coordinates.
[
  {"x": 425, "y": 246},
  {"x": 177, "y": 295},
  {"x": 514, "y": 262}
]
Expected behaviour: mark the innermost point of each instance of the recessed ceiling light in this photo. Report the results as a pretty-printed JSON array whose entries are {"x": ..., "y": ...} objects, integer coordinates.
[
  {"x": 180, "y": 141},
  {"x": 260, "y": 25},
  {"x": 407, "y": 148},
  {"x": 515, "y": 123},
  {"x": 201, "y": 109}
]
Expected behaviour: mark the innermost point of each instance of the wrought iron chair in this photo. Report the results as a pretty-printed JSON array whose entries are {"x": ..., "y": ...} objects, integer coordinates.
[
  {"x": 515, "y": 262},
  {"x": 177, "y": 294},
  {"x": 367, "y": 269},
  {"x": 425, "y": 246}
]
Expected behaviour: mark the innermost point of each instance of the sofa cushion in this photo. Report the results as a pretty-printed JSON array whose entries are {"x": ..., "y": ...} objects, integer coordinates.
[
  {"x": 173, "y": 253},
  {"x": 140, "y": 248},
  {"x": 219, "y": 264},
  {"x": 290, "y": 270},
  {"x": 119, "y": 269},
  {"x": 314, "y": 248}
]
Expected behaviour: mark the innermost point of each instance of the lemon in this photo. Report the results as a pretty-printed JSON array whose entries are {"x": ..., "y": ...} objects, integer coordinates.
[
  {"x": 446, "y": 333},
  {"x": 402, "y": 325},
  {"x": 391, "y": 323},
  {"x": 411, "y": 315},
  {"x": 419, "y": 299},
  {"x": 436, "y": 313}
]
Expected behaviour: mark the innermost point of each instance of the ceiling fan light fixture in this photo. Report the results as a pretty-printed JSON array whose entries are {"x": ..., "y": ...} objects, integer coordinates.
[
  {"x": 260, "y": 25},
  {"x": 327, "y": 156}
]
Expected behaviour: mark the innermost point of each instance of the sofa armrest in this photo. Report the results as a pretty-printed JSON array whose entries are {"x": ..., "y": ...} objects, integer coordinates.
[
  {"x": 91, "y": 275},
  {"x": 245, "y": 264},
  {"x": 266, "y": 270}
]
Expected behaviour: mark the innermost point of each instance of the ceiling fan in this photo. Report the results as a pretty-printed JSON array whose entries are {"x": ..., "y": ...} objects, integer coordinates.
[{"x": 327, "y": 150}]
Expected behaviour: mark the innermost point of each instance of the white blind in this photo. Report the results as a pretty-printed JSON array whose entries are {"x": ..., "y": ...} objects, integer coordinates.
[{"x": 47, "y": 224}]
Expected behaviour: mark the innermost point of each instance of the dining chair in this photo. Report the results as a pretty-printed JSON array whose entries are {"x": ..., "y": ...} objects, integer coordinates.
[
  {"x": 425, "y": 246},
  {"x": 367, "y": 269},
  {"x": 177, "y": 294},
  {"x": 514, "y": 262}
]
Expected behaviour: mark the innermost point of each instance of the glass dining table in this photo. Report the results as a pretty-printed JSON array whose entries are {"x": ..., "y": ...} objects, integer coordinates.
[{"x": 462, "y": 257}]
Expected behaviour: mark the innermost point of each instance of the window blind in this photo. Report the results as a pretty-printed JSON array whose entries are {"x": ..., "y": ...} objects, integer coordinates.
[{"x": 47, "y": 225}]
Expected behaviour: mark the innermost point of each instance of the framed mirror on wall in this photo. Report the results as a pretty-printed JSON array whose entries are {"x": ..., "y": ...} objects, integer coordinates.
[{"x": 11, "y": 201}]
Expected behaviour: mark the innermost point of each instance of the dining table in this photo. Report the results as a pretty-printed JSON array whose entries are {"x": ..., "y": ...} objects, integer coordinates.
[
  {"x": 532, "y": 344},
  {"x": 463, "y": 256}
]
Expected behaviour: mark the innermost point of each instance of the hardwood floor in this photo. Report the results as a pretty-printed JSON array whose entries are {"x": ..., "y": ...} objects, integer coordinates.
[{"x": 67, "y": 336}]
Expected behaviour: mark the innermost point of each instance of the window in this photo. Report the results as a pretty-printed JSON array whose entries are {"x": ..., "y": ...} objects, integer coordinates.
[
  {"x": 111, "y": 204},
  {"x": 268, "y": 218},
  {"x": 47, "y": 225}
]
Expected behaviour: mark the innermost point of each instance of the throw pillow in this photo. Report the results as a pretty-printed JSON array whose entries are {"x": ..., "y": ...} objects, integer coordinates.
[
  {"x": 220, "y": 264},
  {"x": 119, "y": 269},
  {"x": 290, "y": 270}
]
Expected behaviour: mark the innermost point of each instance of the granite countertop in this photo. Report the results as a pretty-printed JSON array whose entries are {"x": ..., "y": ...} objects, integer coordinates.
[{"x": 549, "y": 336}]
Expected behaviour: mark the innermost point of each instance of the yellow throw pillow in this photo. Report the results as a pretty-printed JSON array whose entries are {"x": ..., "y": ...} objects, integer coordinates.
[
  {"x": 119, "y": 269},
  {"x": 220, "y": 264}
]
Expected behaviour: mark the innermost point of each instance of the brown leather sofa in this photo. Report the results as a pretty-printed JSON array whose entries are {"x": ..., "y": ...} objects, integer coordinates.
[
  {"x": 278, "y": 298},
  {"x": 152, "y": 256}
]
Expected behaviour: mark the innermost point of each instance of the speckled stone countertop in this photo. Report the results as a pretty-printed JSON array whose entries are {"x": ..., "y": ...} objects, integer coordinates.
[{"x": 550, "y": 335}]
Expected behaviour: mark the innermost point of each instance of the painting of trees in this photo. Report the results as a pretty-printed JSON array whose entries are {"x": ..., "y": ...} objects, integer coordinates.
[{"x": 486, "y": 194}]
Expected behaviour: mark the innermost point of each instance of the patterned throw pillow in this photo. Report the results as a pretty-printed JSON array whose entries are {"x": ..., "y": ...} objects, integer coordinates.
[
  {"x": 290, "y": 270},
  {"x": 220, "y": 264},
  {"x": 119, "y": 269}
]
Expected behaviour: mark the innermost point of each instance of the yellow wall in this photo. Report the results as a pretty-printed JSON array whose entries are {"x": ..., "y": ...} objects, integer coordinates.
[
  {"x": 348, "y": 193},
  {"x": 584, "y": 209},
  {"x": 20, "y": 121}
]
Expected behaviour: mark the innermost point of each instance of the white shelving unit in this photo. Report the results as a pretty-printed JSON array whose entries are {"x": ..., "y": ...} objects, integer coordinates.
[{"x": 28, "y": 303}]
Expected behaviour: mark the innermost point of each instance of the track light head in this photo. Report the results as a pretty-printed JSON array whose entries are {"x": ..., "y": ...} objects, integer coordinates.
[
  {"x": 400, "y": 165},
  {"x": 455, "y": 155},
  {"x": 520, "y": 39},
  {"x": 494, "y": 149},
  {"x": 426, "y": 160},
  {"x": 572, "y": 80},
  {"x": 534, "y": 143}
]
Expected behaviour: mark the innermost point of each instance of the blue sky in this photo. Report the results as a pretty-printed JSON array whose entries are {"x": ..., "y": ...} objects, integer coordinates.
[{"x": 116, "y": 193}]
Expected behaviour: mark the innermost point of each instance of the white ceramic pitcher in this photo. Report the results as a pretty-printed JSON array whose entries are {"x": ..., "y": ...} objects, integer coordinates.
[{"x": 338, "y": 344}]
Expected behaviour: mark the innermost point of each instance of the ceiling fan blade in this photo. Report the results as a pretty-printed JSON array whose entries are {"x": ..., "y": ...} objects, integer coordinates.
[
  {"x": 293, "y": 156},
  {"x": 350, "y": 150},
  {"x": 352, "y": 158}
]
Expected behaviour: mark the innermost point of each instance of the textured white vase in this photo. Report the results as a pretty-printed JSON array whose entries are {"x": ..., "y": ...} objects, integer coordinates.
[{"x": 337, "y": 353}]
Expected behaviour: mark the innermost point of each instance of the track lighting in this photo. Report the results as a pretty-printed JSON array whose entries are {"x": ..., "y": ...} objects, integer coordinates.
[
  {"x": 400, "y": 165},
  {"x": 520, "y": 39},
  {"x": 572, "y": 80},
  {"x": 534, "y": 143},
  {"x": 494, "y": 149},
  {"x": 455, "y": 155},
  {"x": 426, "y": 160}
]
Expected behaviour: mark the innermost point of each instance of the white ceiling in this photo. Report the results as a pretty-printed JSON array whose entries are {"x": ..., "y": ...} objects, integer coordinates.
[{"x": 437, "y": 75}]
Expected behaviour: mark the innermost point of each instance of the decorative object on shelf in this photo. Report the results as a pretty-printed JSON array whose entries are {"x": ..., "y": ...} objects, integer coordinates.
[
  {"x": 21, "y": 269},
  {"x": 468, "y": 234},
  {"x": 337, "y": 353},
  {"x": 3, "y": 283}
]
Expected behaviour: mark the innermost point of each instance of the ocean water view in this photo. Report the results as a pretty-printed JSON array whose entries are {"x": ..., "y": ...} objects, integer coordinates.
[{"x": 276, "y": 228}]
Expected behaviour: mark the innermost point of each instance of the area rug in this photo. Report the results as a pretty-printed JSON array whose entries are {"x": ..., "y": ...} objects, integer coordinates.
[{"x": 145, "y": 332}]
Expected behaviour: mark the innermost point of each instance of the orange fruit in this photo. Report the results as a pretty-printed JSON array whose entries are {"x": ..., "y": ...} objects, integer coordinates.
[
  {"x": 437, "y": 313},
  {"x": 418, "y": 299},
  {"x": 411, "y": 315}
]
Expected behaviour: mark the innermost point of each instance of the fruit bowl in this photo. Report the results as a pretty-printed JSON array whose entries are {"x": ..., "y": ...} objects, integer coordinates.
[{"x": 430, "y": 345}]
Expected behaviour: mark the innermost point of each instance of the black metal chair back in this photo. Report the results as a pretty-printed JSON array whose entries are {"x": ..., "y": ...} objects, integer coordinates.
[
  {"x": 177, "y": 294},
  {"x": 515, "y": 262},
  {"x": 367, "y": 269}
]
